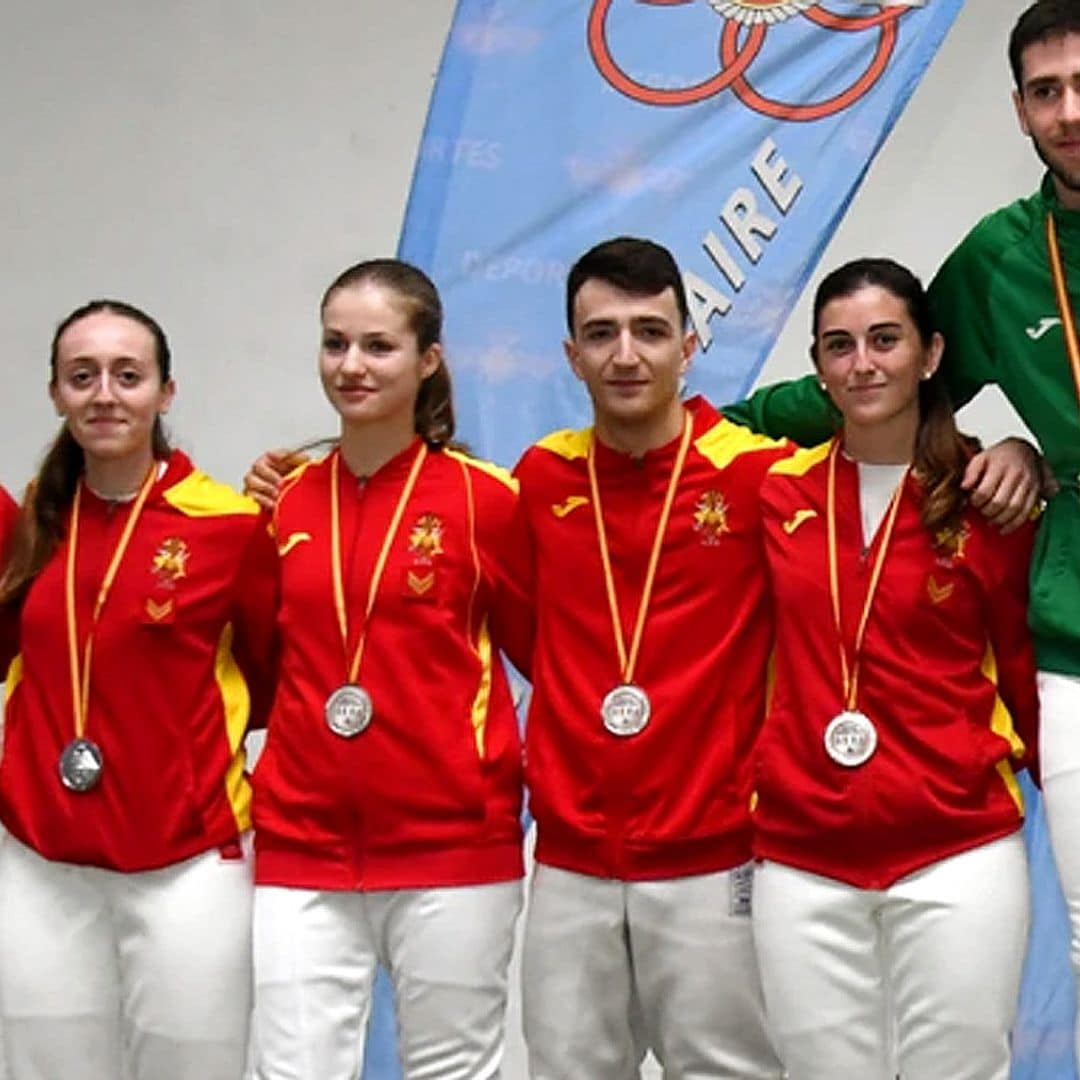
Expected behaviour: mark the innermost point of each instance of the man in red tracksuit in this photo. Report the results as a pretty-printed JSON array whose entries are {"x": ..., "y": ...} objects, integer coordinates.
[{"x": 641, "y": 552}]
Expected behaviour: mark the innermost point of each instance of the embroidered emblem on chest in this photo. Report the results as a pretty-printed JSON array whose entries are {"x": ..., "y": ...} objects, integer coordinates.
[
  {"x": 951, "y": 544},
  {"x": 420, "y": 582},
  {"x": 711, "y": 518},
  {"x": 1042, "y": 327},
  {"x": 170, "y": 562},
  {"x": 160, "y": 611},
  {"x": 426, "y": 537},
  {"x": 420, "y": 579},
  {"x": 800, "y": 517},
  {"x": 292, "y": 541},
  {"x": 560, "y": 510},
  {"x": 937, "y": 591}
]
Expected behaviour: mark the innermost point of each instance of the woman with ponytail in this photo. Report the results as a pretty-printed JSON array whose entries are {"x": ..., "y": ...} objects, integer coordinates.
[
  {"x": 136, "y": 608},
  {"x": 888, "y": 813},
  {"x": 388, "y": 797}
]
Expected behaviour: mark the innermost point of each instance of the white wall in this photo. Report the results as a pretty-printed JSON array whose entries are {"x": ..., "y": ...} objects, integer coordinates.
[{"x": 218, "y": 163}]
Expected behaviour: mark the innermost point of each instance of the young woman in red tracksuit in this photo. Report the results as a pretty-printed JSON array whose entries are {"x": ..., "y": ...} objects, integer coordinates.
[
  {"x": 388, "y": 795},
  {"x": 136, "y": 604},
  {"x": 888, "y": 814}
]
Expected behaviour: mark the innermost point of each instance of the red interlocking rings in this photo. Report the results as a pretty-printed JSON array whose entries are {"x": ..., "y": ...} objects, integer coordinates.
[{"x": 739, "y": 47}]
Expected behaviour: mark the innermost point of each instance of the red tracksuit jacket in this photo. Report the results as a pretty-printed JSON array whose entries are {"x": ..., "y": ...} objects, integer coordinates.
[
  {"x": 947, "y": 677},
  {"x": 181, "y": 664},
  {"x": 9, "y": 511},
  {"x": 430, "y": 793},
  {"x": 672, "y": 800}
]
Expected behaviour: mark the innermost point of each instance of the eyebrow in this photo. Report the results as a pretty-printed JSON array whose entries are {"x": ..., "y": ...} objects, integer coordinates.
[
  {"x": 1038, "y": 81},
  {"x": 88, "y": 358},
  {"x": 604, "y": 321},
  {"x": 843, "y": 332}
]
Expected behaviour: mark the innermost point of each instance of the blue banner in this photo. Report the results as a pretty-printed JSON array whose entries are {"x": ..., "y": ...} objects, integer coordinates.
[{"x": 733, "y": 131}]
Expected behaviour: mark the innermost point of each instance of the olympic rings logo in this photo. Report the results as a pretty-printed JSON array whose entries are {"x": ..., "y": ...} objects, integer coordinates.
[{"x": 755, "y": 17}]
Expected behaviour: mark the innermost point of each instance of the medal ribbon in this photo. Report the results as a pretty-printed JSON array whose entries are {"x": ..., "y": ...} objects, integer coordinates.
[
  {"x": 380, "y": 562},
  {"x": 80, "y": 679},
  {"x": 849, "y": 670},
  {"x": 1061, "y": 292},
  {"x": 627, "y": 663}
]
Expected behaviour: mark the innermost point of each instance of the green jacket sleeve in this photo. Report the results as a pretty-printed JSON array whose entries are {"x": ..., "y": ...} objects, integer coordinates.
[{"x": 798, "y": 410}]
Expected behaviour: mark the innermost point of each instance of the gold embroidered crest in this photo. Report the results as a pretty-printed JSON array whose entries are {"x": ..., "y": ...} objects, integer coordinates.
[
  {"x": 425, "y": 539},
  {"x": 710, "y": 518},
  {"x": 170, "y": 561},
  {"x": 951, "y": 543}
]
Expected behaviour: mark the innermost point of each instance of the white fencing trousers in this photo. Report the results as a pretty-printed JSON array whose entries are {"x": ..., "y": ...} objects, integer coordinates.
[
  {"x": 613, "y": 968},
  {"x": 1059, "y": 756},
  {"x": 948, "y": 940},
  {"x": 145, "y": 975},
  {"x": 447, "y": 951}
]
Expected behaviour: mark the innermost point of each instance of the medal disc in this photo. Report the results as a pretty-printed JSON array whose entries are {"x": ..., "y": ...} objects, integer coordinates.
[
  {"x": 348, "y": 710},
  {"x": 626, "y": 710},
  {"x": 850, "y": 739},
  {"x": 81, "y": 765}
]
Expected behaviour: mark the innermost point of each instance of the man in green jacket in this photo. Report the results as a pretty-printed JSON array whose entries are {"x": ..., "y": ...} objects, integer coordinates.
[{"x": 1005, "y": 301}]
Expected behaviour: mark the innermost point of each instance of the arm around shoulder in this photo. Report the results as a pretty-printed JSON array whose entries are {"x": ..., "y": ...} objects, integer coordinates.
[{"x": 798, "y": 410}]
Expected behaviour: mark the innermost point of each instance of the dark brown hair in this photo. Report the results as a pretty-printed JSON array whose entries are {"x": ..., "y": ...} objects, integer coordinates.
[
  {"x": 40, "y": 526},
  {"x": 638, "y": 267},
  {"x": 433, "y": 417},
  {"x": 1043, "y": 20},
  {"x": 941, "y": 452}
]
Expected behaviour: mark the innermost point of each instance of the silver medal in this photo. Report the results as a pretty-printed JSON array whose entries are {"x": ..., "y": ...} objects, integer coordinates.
[
  {"x": 850, "y": 739},
  {"x": 81, "y": 765},
  {"x": 348, "y": 710},
  {"x": 626, "y": 710}
]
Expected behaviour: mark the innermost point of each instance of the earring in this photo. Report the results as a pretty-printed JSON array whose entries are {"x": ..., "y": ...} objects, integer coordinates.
[
  {"x": 821, "y": 383},
  {"x": 926, "y": 375}
]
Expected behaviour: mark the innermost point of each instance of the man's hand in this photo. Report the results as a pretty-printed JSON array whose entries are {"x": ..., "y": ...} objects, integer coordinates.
[
  {"x": 1005, "y": 481},
  {"x": 264, "y": 477}
]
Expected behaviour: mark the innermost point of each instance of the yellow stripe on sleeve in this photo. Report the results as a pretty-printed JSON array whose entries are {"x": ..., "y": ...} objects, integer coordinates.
[
  {"x": 14, "y": 675},
  {"x": 1001, "y": 724},
  {"x": 479, "y": 711},
  {"x": 236, "y": 704}
]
